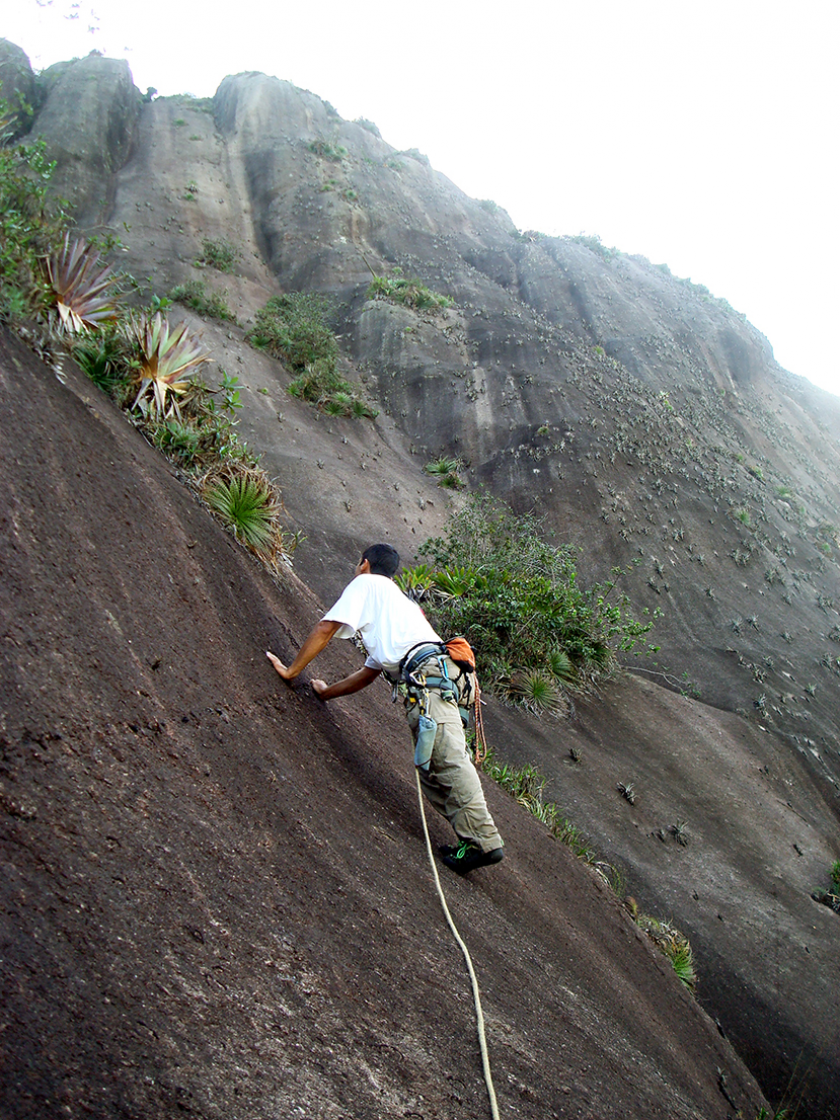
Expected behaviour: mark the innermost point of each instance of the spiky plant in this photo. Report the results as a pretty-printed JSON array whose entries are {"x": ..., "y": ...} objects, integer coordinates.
[
  {"x": 416, "y": 581},
  {"x": 446, "y": 472},
  {"x": 537, "y": 692},
  {"x": 673, "y": 944},
  {"x": 165, "y": 356},
  {"x": 678, "y": 950},
  {"x": 246, "y": 502},
  {"x": 627, "y": 791},
  {"x": 360, "y": 410},
  {"x": 338, "y": 404},
  {"x": 443, "y": 466},
  {"x": 79, "y": 288},
  {"x": 561, "y": 667}
]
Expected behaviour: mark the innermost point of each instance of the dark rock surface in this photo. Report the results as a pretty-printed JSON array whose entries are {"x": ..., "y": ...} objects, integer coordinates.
[
  {"x": 216, "y": 894},
  {"x": 650, "y": 424}
]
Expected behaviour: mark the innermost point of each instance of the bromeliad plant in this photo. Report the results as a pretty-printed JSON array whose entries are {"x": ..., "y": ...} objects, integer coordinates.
[
  {"x": 247, "y": 503},
  {"x": 79, "y": 288},
  {"x": 412, "y": 293},
  {"x": 168, "y": 359}
]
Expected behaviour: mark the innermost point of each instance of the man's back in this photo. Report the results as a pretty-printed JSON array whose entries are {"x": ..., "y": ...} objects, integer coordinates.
[{"x": 389, "y": 622}]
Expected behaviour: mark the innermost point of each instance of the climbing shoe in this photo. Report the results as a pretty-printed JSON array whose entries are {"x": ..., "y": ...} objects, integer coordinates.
[{"x": 467, "y": 857}]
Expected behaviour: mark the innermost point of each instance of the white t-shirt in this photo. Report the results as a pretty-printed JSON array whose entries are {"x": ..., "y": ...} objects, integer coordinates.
[{"x": 389, "y": 622}]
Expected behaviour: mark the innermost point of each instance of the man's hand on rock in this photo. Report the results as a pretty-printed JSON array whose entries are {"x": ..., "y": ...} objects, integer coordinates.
[{"x": 281, "y": 669}]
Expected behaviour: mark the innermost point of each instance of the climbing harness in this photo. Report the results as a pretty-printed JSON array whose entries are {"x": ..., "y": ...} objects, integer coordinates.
[
  {"x": 479, "y": 1014},
  {"x": 413, "y": 683}
]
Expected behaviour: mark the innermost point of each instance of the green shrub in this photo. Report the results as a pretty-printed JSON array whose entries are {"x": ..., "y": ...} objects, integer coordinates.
[
  {"x": 107, "y": 357},
  {"x": 326, "y": 388},
  {"x": 595, "y": 245},
  {"x": 209, "y": 305},
  {"x": 369, "y": 126},
  {"x": 222, "y": 255},
  {"x": 494, "y": 579},
  {"x": 411, "y": 293},
  {"x": 204, "y": 434},
  {"x": 293, "y": 327},
  {"x": 325, "y": 149},
  {"x": 30, "y": 224}
]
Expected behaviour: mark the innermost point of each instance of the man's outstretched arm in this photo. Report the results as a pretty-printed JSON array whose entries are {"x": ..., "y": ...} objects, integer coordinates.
[
  {"x": 356, "y": 681},
  {"x": 314, "y": 644},
  {"x": 317, "y": 641}
]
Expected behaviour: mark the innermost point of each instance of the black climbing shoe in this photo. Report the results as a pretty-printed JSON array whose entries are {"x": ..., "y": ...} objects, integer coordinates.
[{"x": 467, "y": 857}]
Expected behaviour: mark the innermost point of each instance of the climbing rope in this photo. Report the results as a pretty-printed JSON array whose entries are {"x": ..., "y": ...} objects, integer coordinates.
[
  {"x": 479, "y": 1014},
  {"x": 478, "y": 721}
]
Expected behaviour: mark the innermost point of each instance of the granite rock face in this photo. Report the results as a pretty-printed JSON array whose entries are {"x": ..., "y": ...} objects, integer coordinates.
[
  {"x": 17, "y": 82},
  {"x": 88, "y": 120},
  {"x": 647, "y": 421}
]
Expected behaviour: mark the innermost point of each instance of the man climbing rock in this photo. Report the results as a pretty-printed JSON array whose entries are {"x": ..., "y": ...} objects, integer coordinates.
[{"x": 401, "y": 644}]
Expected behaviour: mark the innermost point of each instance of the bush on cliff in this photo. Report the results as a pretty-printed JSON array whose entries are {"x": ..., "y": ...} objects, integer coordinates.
[
  {"x": 495, "y": 579},
  {"x": 29, "y": 227}
]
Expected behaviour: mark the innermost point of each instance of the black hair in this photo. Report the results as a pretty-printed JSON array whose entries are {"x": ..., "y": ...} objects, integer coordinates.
[{"x": 383, "y": 559}]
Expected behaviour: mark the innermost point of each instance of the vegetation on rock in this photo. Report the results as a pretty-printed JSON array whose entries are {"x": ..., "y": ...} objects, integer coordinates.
[
  {"x": 31, "y": 223},
  {"x": 246, "y": 502},
  {"x": 79, "y": 288},
  {"x": 293, "y": 327},
  {"x": 210, "y": 305},
  {"x": 494, "y": 579},
  {"x": 222, "y": 255},
  {"x": 409, "y": 292},
  {"x": 166, "y": 361}
]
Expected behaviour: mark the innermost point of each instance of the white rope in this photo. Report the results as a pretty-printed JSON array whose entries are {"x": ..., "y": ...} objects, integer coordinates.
[{"x": 482, "y": 1041}]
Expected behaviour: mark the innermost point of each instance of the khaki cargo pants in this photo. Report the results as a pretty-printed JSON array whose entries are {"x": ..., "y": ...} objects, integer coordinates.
[{"x": 452, "y": 783}]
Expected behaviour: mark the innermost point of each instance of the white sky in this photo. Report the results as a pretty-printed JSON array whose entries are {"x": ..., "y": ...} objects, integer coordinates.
[{"x": 700, "y": 133}]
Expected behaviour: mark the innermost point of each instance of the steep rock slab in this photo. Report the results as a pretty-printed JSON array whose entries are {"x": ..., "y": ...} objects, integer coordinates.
[
  {"x": 708, "y": 465},
  {"x": 215, "y": 893}
]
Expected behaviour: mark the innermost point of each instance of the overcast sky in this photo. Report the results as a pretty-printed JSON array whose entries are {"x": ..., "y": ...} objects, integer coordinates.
[{"x": 700, "y": 133}]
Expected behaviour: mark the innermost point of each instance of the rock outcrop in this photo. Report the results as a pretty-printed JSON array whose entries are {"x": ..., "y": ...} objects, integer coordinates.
[
  {"x": 17, "y": 84},
  {"x": 216, "y": 897},
  {"x": 647, "y": 421},
  {"x": 88, "y": 121}
]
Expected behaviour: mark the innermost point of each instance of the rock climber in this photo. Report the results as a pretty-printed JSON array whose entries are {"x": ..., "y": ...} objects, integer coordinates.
[{"x": 401, "y": 644}]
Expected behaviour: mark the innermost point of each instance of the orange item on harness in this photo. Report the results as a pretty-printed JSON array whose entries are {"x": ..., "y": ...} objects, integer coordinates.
[{"x": 460, "y": 650}]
